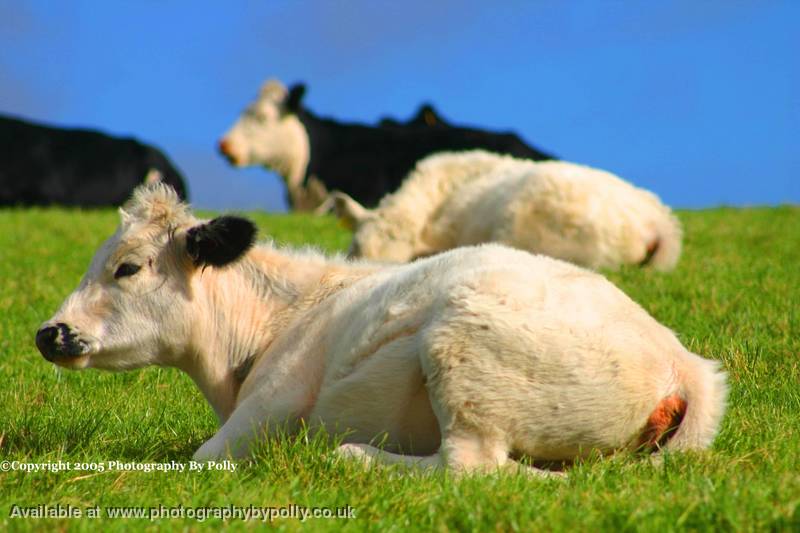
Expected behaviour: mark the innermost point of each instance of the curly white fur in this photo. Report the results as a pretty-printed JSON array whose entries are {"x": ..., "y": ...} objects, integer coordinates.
[{"x": 573, "y": 212}]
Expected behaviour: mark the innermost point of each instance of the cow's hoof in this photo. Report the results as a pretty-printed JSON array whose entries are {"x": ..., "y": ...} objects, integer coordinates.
[
  {"x": 355, "y": 452},
  {"x": 209, "y": 451}
]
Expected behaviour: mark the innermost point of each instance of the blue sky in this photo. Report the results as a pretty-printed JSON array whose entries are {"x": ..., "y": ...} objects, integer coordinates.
[{"x": 697, "y": 101}]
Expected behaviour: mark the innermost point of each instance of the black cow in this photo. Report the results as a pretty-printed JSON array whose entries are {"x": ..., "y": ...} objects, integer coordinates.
[
  {"x": 314, "y": 154},
  {"x": 42, "y": 165}
]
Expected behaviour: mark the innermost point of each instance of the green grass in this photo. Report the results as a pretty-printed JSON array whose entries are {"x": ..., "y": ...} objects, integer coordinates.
[{"x": 735, "y": 297}]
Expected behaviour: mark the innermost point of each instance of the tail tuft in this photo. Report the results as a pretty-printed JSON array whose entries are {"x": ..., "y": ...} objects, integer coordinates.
[
  {"x": 651, "y": 250},
  {"x": 705, "y": 389}
]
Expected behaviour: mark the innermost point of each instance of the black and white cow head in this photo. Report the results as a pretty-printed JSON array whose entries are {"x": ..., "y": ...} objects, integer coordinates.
[
  {"x": 134, "y": 305},
  {"x": 269, "y": 133}
]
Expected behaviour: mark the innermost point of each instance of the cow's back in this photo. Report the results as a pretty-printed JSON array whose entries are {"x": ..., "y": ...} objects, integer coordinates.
[
  {"x": 40, "y": 165},
  {"x": 494, "y": 327},
  {"x": 583, "y": 215},
  {"x": 368, "y": 162}
]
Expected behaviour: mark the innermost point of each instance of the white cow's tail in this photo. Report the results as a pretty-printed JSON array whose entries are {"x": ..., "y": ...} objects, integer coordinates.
[
  {"x": 703, "y": 386},
  {"x": 668, "y": 247}
]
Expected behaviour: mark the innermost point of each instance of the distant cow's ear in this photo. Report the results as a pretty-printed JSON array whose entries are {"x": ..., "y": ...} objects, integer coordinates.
[
  {"x": 221, "y": 241},
  {"x": 295, "y": 97},
  {"x": 427, "y": 116},
  {"x": 348, "y": 210}
]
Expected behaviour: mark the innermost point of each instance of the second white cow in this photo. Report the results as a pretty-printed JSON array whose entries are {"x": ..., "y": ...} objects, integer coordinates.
[
  {"x": 573, "y": 212},
  {"x": 461, "y": 360}
]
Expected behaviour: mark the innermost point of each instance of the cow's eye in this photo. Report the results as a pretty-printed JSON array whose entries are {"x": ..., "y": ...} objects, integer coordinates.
[
  {"x": 125, "y": 270},
  {"x": 257, "y": 115}
]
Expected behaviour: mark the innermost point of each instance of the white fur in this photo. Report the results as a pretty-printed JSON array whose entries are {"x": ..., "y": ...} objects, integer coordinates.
[
  {"x": 572, "y": 212},
  {"x": 460, "y": 359}
]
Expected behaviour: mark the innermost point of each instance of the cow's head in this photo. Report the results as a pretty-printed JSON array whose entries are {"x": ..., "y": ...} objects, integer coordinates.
[
  {"x": 268, "y": 132},
  {"x": 132, "y": 307},
  {"x": 374, "y": 237}
]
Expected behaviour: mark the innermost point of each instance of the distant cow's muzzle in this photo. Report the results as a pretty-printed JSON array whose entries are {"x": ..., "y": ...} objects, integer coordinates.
[
  {"x": 226, "y": 151},
  {"x": 59, "y": 342}
]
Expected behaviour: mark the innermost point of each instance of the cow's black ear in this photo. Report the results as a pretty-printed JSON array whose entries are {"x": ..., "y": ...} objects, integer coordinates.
[
  {"x": 427, "y": 116},
  {"x": 296, "y": 93},
  {"x": 221, "y": 241}
]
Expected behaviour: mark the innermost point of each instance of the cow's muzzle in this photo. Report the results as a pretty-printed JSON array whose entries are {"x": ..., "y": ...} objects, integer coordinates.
[
  {"x": 226, "y": 151},
  {"x": 59, "y": 342}
]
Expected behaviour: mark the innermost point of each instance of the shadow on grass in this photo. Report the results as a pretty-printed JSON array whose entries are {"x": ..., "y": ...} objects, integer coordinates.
[{"x": 92, "y": 437}]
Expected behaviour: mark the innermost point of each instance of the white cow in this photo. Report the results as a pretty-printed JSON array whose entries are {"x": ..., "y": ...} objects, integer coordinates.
[
  {"x": 580, "y": 214},
  {"x": 462, "y": 359}
]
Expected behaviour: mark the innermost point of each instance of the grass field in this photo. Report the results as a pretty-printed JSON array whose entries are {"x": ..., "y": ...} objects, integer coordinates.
[{"x": 734, "y": 297}]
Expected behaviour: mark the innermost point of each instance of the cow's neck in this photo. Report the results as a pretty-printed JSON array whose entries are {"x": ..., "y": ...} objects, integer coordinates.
[
  {"x": 239, "y": 311},
  {"x": 328, "y": 140},
  {"x": 223, "y": 333},
  {"x": 315, "y": 132},
  {"x": 323, "y": 137},
  {"x": 292, "y": 163}
]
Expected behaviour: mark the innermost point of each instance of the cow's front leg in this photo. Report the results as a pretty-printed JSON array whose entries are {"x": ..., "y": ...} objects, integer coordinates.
[{"x": 255, "y": 418}]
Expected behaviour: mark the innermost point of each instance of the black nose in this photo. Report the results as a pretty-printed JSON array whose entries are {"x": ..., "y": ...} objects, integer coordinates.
[
  {"x": 59, "y": 341},
  {"x": 46, "y": 341}
]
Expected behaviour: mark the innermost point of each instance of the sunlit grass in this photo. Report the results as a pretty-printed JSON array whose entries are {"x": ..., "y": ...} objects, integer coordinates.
[{"x": 734, "y": 297}]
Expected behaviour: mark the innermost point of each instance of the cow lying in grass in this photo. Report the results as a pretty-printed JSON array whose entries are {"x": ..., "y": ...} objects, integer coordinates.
[
  {"x": 567, "y": 211},
  {"x": 462, "y": 359}
]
